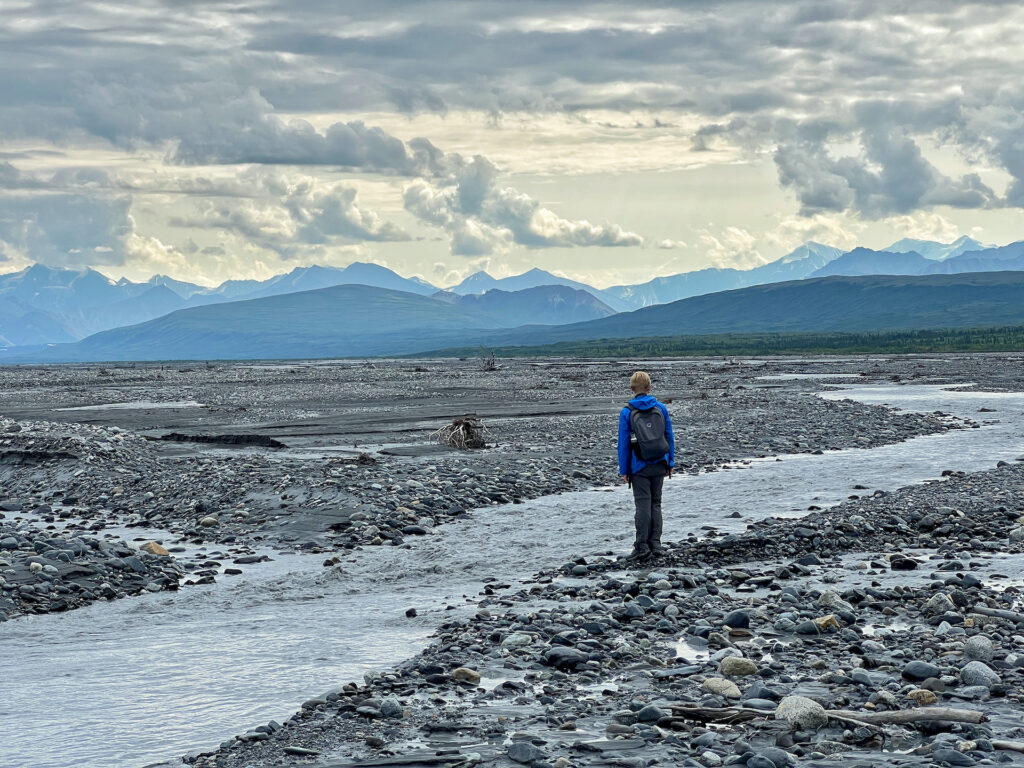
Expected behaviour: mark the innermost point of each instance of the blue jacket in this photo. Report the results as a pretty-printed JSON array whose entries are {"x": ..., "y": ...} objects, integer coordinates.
[{"x": 629, "y": 462}]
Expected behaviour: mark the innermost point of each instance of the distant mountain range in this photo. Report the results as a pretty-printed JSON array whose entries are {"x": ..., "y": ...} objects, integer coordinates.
[
  {"x": 338, "y": 321},
  {"x": 796, "y": 265},
  {"x": 937, "y": 251},
  {"x": 358, "y": 320},
  {"x": 44, "y": 305},
  {"x": 838, "y": 303},
  {"x": 543, "y": 304}
]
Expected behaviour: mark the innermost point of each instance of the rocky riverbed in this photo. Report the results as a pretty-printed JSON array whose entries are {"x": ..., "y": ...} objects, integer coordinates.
[
  {"x": 886, "y": 631},
  {"x": 252, "y": 483},
  {"x": 783, "y": 642}
]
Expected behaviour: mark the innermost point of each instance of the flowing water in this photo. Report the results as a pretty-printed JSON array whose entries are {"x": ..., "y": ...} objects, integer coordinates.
[{"x": 144, "y": 679}]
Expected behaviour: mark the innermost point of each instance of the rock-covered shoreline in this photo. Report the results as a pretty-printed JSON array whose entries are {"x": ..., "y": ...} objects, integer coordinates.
[
  {"x": 82, "y": 478},
  {"x": 902, "y": 605}
]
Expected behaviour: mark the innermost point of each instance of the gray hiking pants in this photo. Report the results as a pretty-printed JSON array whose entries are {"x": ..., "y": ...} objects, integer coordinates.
[{"x": 647, "y": 484}]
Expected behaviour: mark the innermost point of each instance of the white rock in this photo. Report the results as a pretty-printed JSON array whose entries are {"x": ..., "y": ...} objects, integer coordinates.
[
  {"x": 517, "y": 640},
  {"x": 833, "y": 602},
  {"x": 938, "y": 605}
]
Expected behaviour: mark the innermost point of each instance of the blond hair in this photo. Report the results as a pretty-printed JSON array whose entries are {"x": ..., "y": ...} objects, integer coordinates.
[{"x": 640, "y": 382}]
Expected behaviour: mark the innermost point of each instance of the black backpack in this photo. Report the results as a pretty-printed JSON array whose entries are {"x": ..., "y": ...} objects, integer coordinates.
[{"x": 650, "y": 439}]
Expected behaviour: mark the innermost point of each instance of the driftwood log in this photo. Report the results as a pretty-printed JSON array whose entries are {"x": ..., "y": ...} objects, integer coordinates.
[
  {"x": 999, "y": 613},
  {"x": 725, "y": 715},
  {"x": 918, "y": 715},
  {"x": 734, "y": 715},
  {"x": 1009, "y": 746}
]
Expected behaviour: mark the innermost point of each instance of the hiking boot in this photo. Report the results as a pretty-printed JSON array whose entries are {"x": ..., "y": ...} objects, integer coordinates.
[
  {"x": 657, "y": 550},
  {"x": 638, "y": 554}
]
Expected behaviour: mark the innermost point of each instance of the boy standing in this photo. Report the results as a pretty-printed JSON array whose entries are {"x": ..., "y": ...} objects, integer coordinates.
[{"x": 646, "y": 458}]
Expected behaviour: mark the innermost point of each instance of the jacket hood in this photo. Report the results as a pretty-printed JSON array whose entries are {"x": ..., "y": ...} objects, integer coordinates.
[{"x": 644, "y": 402}]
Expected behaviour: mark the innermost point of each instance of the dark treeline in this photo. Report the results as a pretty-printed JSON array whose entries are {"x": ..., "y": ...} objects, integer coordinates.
[{"x": 1005, "y": 339}]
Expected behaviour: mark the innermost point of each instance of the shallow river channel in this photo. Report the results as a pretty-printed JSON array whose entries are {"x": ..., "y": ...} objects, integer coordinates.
[{"x": 145, "y": 679}]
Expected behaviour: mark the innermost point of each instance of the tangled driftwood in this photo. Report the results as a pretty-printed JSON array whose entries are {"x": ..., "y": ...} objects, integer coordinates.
[
  {"x": 462, "y": 434},
  {"x": 489, "y": 363}
]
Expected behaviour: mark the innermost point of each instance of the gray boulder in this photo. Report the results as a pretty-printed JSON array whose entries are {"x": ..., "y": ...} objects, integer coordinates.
[
  {"x": 802, "y": 712},
  {"x": 978, "y": 673},
  {"x": 524, "y": 752},
  {"x": 978, "y": 648},
  {"x": 916, "y": 671}
]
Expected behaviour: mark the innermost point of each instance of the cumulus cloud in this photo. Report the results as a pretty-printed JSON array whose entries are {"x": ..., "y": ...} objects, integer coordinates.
[
  {"x": 266, "y": 139},
  {"x": 482, "y": 217},
  {"x": 922, "y": 225},
  {"x": 732, "y": 247},
  {"x": 826, "y": 228},
  {"x": 668, "y": 244},
  {"x": 287, "y": 214},
  {"x": 889, "y": 176},
  {"x": 65, "y": 229}
]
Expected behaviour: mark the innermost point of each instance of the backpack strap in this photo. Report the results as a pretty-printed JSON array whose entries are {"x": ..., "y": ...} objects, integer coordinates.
[{"x": 633, "y": 410}]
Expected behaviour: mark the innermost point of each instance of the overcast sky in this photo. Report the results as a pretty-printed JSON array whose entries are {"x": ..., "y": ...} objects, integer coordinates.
[{"x": 608, "y": 142}]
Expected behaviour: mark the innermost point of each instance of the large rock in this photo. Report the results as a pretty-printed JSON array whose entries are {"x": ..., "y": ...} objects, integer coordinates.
[
  {"x": 902, "y": 563},
  {"x": 737, "y": 620},
  {"x": 650, "y": 714},
  {"x": 737, "y": 666},
  {"x": 524, "y": 752},
  {"x": 517, "y": 640},
  {"x": 946, "y": 756},
  {"x": 830, "y": 600},
  {"x": 466, "y": 675},
  {"x": 564, "y": 658},
  {"x": 391, "y": 707},
  {"x": 152, "y": 548},
  {"x": 978, "y": 673},
  {"x": 978, "y": 648},
  {"x": 1017, "y": 535},
  {"x": 802, "y": 712},
  {"x": 922, "y": 697},
  {"x": 938, "y": 605},
  {"x": 916, "y": 671}
]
